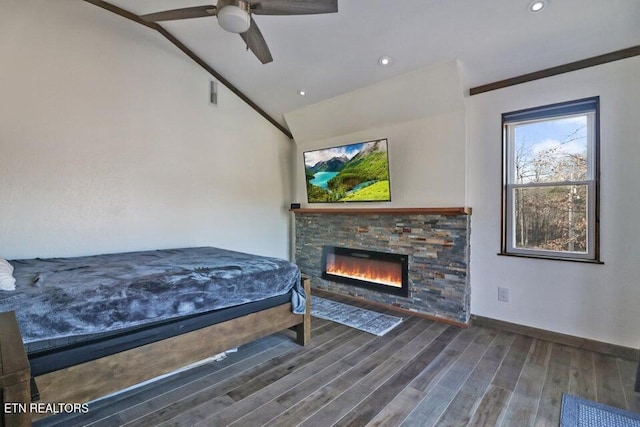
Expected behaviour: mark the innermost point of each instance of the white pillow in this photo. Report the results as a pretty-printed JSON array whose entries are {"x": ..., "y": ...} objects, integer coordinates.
[{"x": 7, "y": 281}]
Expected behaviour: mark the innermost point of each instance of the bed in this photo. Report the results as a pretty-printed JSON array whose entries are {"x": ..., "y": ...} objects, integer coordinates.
[{"x": 95, "y": 325}]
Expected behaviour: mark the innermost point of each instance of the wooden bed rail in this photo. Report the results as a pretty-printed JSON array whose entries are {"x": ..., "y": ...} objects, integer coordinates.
[
  {"x": 88, "y": 381},
  {"x": 303, "y": 330},
  {"x": 14, "y": 374}
]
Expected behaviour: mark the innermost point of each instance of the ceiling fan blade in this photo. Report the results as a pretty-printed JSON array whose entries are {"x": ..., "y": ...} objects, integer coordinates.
[
  {"x": 186, "y": 13},
  {"x": 293, "y": 7},
  {"x": 256, "y": 42}
]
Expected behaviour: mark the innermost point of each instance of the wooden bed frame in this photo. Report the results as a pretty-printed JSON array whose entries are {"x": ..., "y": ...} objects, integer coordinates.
[{"x": 100, "y": 377}]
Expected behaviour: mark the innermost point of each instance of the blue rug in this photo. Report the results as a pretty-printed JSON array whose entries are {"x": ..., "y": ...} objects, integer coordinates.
[
  {"x": 578, "y": 412},
  {"x": 354, "y": 317}
]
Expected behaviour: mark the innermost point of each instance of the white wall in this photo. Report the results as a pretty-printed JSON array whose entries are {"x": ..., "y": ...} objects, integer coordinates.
[
  {"x": 453, "y": 158},
  {"x": 423, "y": 93},
  {"x": 108, "y": 143},
  {"x": 426, "y": 162},
  {"x": 422, "y": 115},
  {"x": 600, "y": 302}
]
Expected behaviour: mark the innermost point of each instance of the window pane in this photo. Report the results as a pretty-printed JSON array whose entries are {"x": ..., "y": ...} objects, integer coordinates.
[
  {"x": 551, "y": 218},
  {"x": 552, "y": 150}
]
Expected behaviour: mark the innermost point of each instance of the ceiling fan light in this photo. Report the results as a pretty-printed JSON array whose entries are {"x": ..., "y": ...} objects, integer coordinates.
[{"x": 234, "y": 19}]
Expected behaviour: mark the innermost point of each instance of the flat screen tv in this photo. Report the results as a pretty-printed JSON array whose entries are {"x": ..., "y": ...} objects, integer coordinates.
[{"x": 356, "y": 172}]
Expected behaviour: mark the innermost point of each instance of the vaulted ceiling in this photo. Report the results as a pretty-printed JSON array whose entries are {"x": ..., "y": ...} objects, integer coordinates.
[{"x": 329, "y": 55}]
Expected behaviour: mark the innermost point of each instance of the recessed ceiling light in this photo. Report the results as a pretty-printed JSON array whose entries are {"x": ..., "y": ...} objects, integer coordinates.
[
  {"x": 302, "y": 93},
  {"x": 384, "y": 61},
  {"x": 537, "y": 6}
]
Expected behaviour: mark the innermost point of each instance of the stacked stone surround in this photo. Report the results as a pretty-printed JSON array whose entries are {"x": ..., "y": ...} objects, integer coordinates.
[{"x": 437, "y": 246}]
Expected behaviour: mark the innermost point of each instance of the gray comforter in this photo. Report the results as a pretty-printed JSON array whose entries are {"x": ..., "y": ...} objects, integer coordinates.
[{"x": 63, "y": 297}]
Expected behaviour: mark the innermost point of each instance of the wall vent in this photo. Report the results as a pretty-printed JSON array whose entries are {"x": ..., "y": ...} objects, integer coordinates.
[{"x": 213, "y": 93}]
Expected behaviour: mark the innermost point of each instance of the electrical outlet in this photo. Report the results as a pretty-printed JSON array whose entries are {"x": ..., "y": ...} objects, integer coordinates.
[{"x": 503, "y": 294}]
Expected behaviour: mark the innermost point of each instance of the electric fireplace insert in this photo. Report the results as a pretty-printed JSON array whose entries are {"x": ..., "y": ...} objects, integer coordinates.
[{"x": 380, "y": 271}]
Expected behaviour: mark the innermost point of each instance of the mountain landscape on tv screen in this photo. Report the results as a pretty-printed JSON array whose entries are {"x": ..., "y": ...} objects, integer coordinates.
[{"x": 351, "y": 173}]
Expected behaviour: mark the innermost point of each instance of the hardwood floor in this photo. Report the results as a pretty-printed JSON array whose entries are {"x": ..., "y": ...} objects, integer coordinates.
[{"x": 420, "y": 374}]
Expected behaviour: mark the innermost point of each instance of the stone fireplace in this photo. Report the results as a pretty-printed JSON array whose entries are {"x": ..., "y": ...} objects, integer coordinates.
[{"x": 433, "y": 241}]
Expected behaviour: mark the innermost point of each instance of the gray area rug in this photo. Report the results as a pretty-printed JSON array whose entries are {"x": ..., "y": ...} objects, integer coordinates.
[
  {"x": 578, "y": 412},
  {"x": 359, "y": 318}
]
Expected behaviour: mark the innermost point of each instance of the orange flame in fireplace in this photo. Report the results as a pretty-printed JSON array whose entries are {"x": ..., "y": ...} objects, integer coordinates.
[{"x": 376, "y": 271}]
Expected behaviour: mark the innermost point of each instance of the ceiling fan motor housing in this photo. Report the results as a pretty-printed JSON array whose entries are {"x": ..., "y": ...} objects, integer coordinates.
[{"x": 234, "y": 15}]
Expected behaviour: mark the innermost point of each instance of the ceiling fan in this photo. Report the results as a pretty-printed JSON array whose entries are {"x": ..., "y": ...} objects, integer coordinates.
[{"x": 236, "y": 16}]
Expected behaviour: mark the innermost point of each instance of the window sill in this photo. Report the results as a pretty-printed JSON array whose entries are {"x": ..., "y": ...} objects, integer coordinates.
[{"x": 552, "y": 258}]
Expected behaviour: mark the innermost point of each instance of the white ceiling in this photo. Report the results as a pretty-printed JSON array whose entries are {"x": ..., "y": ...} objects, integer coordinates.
[{"x": 329, "y": 55}]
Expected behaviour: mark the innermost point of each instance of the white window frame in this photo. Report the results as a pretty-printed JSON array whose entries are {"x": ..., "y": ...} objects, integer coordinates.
[{"x": 588, "y": 107}]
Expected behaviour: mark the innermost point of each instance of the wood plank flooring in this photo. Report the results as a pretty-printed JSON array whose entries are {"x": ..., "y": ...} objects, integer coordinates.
[{"x": 420, "y": 374}]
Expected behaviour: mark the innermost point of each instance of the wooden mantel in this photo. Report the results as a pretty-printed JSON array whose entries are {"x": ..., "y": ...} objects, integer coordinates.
[{"x": 382, "y": 211}]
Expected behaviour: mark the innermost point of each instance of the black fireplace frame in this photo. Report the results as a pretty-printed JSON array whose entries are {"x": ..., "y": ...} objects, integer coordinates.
[{"x": 375, "y": 255}]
